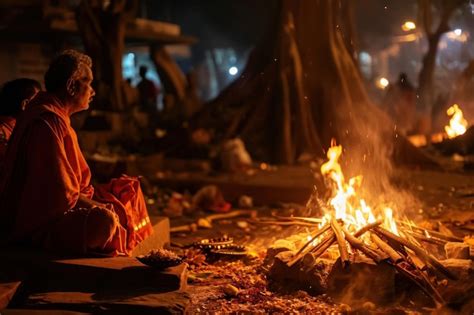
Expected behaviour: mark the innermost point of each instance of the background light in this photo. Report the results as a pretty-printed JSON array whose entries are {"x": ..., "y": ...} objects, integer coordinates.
[
  {"x": 382, "y": 83},
  {"x": 458, "y": 32},
  {"x": 408, "y": 26},
  {"x": 233, "y": 70}
]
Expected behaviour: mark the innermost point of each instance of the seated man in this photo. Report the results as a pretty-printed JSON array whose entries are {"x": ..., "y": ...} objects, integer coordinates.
[
  {"x": 14, "y": 97},
  {"x": 46, "y": 199}
]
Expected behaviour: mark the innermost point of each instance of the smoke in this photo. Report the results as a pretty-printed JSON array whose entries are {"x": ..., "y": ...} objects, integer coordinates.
[{"x": 368, "y": 137}]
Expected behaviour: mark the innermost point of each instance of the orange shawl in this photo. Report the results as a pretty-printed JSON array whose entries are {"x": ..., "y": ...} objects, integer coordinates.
[{"x": 44, "y": 174}]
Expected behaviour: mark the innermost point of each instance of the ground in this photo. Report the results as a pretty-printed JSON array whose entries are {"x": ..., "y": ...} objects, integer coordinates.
[
  {"x": 240, "y": 284},
  {"x": 446, "y": 201}
]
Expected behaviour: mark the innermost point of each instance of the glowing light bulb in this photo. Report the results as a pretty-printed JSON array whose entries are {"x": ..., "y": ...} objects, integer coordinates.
[
  {"x": 382, "y": 83},
  {"x": 233, "y": 70}
]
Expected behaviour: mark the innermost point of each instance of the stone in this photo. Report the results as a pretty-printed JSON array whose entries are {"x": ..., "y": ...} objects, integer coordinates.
[
  {"x": 230, "y": 290},
  {"x": 159, "y": 237},
  {"x": 298, "y": 276},
  {"x": 457, "y": 250},
  {"x": 46, "y": 272},
  {"x": 116, "y": 302},
  {"x": 104, "y": 274},
  {"x": 7, "y": 291},
  {"x": 362, "y": 281},
  {"x": 460, "y": 267}
]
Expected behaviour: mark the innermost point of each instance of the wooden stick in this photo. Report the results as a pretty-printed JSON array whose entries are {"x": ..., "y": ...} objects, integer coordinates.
[
  {"x": 340, "y": 242},
  {"x": 320, "y": 232},
  {"x": 364, "y": 248},
  {"x": 434, "y": 294},
  {"x": 298, "y": 257},
  {"x": 324, "y": 245},
  {"x": 394, "y": 255},
  {"x": 369, "y": 226},
  {"x": 438, "y": 298},
  {"x": 416, "y": 261},
  {"x": 421, "y": 237},
  {"x": 304, "y": 219},
  {"x": 418, "y": 251},
  {"x": 449, "y": 238},
  {"x": 292, "y": 223},
  {"x": 184, "y": 228}
]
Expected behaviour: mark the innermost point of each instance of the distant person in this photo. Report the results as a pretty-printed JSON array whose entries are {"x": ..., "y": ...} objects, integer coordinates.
[
  {"x": 148, "y": 92},
  {"x": 14, "y": 97},
  {"x": 400, "y": 104},
  {"x": 46, "y": 198}
]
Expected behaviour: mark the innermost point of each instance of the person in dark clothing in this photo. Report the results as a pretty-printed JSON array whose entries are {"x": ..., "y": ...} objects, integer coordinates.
[
  {"x": 14, "y": 97},
  {"x": 148, "y": 92}
]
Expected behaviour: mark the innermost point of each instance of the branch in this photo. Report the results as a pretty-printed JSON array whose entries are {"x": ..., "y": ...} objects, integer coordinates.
[
  {"x": 116, "y": 6},
  {"x": 94, "y": 22},
  {"x": 424, "y": 9}
]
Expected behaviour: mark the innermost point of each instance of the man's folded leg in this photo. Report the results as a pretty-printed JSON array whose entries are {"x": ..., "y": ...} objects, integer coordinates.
[{"x": 87, "y": 231}]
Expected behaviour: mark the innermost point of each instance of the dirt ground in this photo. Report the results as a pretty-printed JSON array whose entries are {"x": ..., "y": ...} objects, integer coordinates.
[{"x": 446, "y": 199}]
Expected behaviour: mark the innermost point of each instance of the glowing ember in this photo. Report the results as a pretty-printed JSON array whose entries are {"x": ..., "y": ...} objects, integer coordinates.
[
  {"x": 346, "y": 204},
  {"x": 457, "y": 124}
]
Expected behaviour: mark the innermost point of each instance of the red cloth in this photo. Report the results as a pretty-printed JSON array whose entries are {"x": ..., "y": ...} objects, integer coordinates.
[
  {"x": 45, "y": 173},
  {"x": 125, "y": 194},
  {"x": 7, "y": 124}
]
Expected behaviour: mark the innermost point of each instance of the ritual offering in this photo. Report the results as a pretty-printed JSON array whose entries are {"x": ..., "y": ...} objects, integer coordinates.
[{"x": 160, "y": 259}]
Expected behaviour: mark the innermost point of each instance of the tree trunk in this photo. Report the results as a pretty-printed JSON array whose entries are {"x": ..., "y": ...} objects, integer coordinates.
[
  {"x": 171, "y": 76},
  {"x": 103, "y": 33},
  {"x": 426, "y": 76},
  {"x": 300, "y": 88}
]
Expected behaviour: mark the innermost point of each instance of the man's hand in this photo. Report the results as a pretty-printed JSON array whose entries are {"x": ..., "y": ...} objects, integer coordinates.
[{"x": 84, "y": 202}]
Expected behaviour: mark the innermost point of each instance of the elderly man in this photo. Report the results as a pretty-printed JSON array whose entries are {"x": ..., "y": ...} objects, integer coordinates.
[{"x": 46, "y": 199}]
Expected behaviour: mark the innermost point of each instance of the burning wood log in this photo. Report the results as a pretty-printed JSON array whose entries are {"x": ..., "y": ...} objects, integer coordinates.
[
  {"x": 326, "y": 242},
  {"x": 340, "y": 242},
  {"x": 450, "y": 238},
  {"x": 372, "y": 253},
  {"x": 319, "y": 233},
  {"x": 420, "y": 265},
  {"x": 424, "y": 238},
  {"x": 302, "y": 252},
  {"x": 394, "y": 255},
  {"x": 324, "y": 245},
  {"x": 418, "y": 251},
  {"x": 366, "y": 228},
  {"x": 425, "y": 286}
]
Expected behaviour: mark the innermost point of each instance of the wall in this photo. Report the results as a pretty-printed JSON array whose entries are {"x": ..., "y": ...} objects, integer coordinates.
[{"x": 23, "y": 60}]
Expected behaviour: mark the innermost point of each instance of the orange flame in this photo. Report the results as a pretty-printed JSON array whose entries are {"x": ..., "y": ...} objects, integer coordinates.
[
  {"x": 457, "y": 124},
  {"x": 345, "y": 202}
]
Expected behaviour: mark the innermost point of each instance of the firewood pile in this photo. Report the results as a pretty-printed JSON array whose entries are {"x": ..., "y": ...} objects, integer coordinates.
[{"x": 405, "y": 254}]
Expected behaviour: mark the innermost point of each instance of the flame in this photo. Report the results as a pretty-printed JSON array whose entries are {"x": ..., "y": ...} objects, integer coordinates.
[
  {"x": 457, "y": 124},
  {"x": 347, "y": 205}
]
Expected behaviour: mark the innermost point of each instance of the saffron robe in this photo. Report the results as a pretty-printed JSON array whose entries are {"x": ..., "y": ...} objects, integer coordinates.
[{"x": 42, "y": 178}]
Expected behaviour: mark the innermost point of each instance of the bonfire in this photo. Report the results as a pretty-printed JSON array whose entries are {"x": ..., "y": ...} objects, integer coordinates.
[
  {"x": 457, "y": 124},
  {"x": 380, "y": 236}
]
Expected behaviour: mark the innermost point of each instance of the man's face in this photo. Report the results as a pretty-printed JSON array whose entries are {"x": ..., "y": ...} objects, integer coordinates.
[{"x": 83, "y": 89}]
